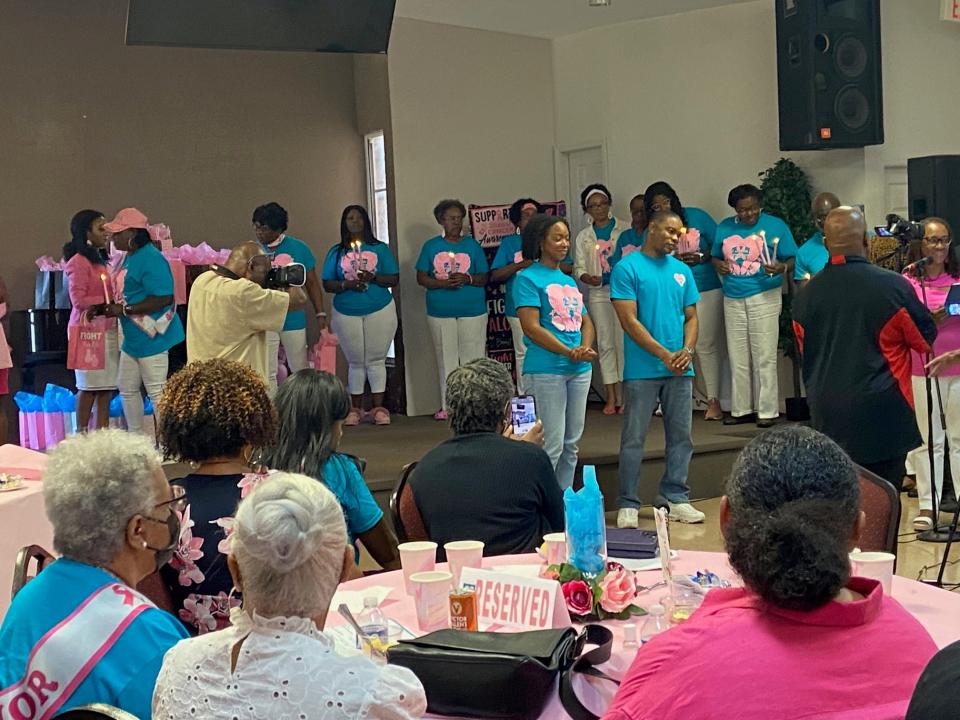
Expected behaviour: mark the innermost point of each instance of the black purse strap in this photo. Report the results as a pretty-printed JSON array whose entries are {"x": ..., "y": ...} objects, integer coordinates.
[{"x": 586, "y": 664}]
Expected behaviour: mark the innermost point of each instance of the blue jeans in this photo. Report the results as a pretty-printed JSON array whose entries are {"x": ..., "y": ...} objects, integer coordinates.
[
  {"x": 675, "y": 395},
  {"x": 562, "y": 406}
]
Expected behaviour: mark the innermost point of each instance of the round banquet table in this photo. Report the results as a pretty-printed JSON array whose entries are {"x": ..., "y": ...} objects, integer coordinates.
[{"x": 937, "y": 610}]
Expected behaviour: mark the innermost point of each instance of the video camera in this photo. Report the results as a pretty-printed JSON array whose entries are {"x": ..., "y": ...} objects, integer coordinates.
[
  {"x": 904, "y": 231},
  {"x": 292, "y": 275}
]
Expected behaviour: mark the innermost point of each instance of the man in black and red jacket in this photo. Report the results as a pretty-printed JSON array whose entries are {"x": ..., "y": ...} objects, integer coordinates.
[{"x": 856, "y": 325}]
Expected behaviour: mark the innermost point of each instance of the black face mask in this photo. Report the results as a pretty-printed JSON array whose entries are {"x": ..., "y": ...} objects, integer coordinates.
[{"x": 165, "y": 554}]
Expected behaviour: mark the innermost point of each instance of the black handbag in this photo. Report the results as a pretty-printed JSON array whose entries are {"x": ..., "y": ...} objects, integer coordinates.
[{"x": 503, "y": 675}]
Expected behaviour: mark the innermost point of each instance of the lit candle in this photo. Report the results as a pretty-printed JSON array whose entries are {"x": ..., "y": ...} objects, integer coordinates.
[
  {"x": 106, "y": 289},
  {"x": 776, "y": 241},
  {"x": 806, "y": 276}
]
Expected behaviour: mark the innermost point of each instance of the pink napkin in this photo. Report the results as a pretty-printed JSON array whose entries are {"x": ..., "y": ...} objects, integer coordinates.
[{"x": 21, "y": 461}]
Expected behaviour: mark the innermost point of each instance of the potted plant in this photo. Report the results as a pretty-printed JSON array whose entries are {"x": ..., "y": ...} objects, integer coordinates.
[{"x": 787, "y": 194}]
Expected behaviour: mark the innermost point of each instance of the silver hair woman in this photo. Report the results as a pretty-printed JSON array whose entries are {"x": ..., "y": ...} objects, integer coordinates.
[
  {"x": 115, "y": 521},
  {"x": 477, "y": 396},
  {"x": 288, "y": 553}
]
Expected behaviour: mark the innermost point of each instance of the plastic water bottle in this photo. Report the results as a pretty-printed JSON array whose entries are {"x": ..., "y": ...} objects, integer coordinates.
[
  {"x": 655, "y": 623},
  {"x": 372, "y": 621}
]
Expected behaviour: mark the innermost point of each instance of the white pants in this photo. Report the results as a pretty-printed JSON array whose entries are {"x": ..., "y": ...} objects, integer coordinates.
[
  {"x": 151, "y": 372},
  {"x": 950, "y": 393},
  {"x": 609, "y": 340},
  {"x": 519, "y": 351},
  {"x": 711, "y": 343},
  {"x": 457, "y": 341},
  {"x": 365, "y": 340},
  {"x": 294, "y": 345},
  {"x": 753, "y": 329}
]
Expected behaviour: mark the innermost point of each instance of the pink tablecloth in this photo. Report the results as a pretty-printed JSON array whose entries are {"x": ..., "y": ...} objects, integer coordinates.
[
  {"x": 936, "y": 609},
  {"x": 22, "y": 522}
]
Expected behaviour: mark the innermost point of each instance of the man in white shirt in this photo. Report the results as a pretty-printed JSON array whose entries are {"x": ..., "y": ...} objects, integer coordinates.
[{"x": 230, "y": 312}]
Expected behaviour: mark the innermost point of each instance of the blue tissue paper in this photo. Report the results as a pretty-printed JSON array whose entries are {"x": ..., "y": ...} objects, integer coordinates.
[{"x": 585, "y": 526}]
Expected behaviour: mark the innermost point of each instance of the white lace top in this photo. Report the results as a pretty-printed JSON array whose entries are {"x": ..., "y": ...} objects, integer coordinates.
[{"x": 287, "y": 668}]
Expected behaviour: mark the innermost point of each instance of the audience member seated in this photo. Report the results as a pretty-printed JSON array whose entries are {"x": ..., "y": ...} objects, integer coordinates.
[
  {"x": 288, "y": 553},
  {"x": 479, "y": 484},
  {"x": 936, "y": 694},
  {"x": 312, "y": 406},
  {"x": 803, "y": 639},
  {"x": 215, "y": 415},
  {"x": 79, "y": 633}
]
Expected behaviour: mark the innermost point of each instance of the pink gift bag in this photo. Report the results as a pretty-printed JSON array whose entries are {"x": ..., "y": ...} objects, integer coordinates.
[
  {"x": 36, "y": 437},
  {"x": 24, "y": 431},
  {"x": 52, "y": 428},
  {"x": 179, "y": 271},
  {"x": 323, "y": 355},
  {"x": 87, "y": 345}
]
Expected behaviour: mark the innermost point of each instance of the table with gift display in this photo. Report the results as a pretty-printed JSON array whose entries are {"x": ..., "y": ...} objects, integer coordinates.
[{"x": 407, "y": 616}]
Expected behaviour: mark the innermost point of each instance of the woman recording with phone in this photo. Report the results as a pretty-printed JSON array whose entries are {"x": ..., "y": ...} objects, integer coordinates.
[{"x": 932, "y": 277}]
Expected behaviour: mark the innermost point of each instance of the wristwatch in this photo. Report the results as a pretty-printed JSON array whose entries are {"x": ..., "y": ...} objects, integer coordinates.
[{"x": 689, "y": 350}]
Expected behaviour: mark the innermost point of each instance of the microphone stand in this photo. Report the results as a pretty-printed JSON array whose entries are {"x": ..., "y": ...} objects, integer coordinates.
[{"x": 938, "y": 533}]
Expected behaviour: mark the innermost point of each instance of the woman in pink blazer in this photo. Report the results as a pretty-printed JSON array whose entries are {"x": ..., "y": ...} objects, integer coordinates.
[{"x": 89, "y": 281}]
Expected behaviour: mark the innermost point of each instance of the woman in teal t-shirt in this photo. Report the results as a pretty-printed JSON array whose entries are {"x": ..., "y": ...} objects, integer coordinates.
[
  {"x": 593, "y": 248},
  {"x": 359, "y": 271},
  {"x": 751, "y": 252},
  {"x": 506, "y": 264},
  {"x": 558, "y": 334},
  {"x": 148, "y": 314},
  {"x": 631, "y": 239},
  {"x": 311, "y": 407},
  {"x": 454, "y": 270}
]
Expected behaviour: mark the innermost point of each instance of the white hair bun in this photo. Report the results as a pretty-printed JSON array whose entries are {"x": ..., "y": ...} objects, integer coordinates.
[{"x": 285, "y": 521}]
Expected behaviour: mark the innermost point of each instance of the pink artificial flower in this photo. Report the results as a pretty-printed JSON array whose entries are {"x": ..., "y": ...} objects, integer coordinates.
[
  {"x": 618, "y": 588},
  {"x": 578, "y": 596}
]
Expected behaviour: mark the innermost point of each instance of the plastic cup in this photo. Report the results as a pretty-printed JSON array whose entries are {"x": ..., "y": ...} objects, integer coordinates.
[
  {"x": 555, "y": 548},
  {"x": 463, "y": 554},
  {"x": 416, "y": 557},
  {"x": 875, "y": 565},
  {"x": 431, "y": 595}
]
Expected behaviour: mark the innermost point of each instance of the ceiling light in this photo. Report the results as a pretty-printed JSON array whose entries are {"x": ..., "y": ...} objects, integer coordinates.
[{"x": 599, "y": 3}]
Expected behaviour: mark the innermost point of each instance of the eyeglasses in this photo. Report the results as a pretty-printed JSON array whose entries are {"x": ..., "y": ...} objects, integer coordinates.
[
  {"x": 598, "y": 205},
  {"x": 178, "y": 503},
  {"x": 942, "y": 241}
]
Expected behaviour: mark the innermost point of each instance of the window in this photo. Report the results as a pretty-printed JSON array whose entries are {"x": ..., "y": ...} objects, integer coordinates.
[
  {"x": 377, "y": 198},
  {"x": 377, "y": 186}
]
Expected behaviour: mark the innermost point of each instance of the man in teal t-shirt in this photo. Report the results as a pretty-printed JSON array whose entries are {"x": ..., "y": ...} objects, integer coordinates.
[
  {"x": 655, "y": 296},
  {"x": 270, "y": 226},
  {"x": 812, "y": 256}
]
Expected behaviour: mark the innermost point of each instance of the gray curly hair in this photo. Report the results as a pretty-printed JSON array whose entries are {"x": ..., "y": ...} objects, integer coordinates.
[
  {"x": 477, "y": 396},
  {"x": 94, "y": 484},
  {"x": 288, "y": 540}
]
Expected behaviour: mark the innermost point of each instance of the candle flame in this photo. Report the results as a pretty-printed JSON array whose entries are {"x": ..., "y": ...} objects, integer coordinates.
[
  {"x": 806, "y": 276},
  {"x": 451, "y": 254},
  {"x": 776, "y": 240},
  {"x": 763, "y": 233}
]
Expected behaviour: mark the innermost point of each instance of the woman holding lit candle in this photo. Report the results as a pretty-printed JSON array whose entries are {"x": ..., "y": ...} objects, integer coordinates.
[
  {"x": 751, "y": 253},
  {"x": 593, "y": 248},
  {"x": 89, "y": 284},
  {"x": 360, "y": 271},
  {"x": 453, "y": 269}
]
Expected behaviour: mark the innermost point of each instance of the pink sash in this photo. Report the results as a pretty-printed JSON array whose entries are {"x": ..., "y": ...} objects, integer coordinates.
[{"x": 63, "y": 657}]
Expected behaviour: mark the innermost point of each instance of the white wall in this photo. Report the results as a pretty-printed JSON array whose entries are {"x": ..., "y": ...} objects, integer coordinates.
[
  {"x": 692, "y": 99},
  {"x": 473, "y": 116}
]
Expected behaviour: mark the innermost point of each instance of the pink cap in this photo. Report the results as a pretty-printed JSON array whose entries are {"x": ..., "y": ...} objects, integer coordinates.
[{"x": 126, "y": 219}]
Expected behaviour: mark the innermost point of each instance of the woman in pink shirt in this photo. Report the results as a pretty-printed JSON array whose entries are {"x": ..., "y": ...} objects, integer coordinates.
[
  {"x": 86, "y": 272},
  {"x": 939, "y": 272},
  {"x": 803, "y": 639}
]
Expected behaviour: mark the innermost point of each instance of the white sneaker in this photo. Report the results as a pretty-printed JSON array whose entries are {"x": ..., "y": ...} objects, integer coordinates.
[
  {"x": 628, "y": 518},
  {"x": 685, "y": 513}
]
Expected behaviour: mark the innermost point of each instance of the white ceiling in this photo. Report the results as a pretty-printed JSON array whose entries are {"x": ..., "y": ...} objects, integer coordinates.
[{"x": 545, "y": 18}]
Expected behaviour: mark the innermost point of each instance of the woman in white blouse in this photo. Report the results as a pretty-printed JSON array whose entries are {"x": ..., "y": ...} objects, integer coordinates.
[
  {"x": 288, "y": 553},
  {"x": 591, "y": 266}
]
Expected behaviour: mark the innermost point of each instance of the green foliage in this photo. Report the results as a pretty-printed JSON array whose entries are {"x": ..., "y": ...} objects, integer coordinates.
[{"x": 788, "y": 195}]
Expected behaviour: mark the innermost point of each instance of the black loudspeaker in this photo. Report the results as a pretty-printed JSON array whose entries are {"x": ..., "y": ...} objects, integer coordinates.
[
  {"x": 933, "y": 184},
  {"x": 828, "y": 74}
]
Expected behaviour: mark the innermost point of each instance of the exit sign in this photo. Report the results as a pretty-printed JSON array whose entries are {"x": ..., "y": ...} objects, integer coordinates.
[{"x": 950, "y": 10}]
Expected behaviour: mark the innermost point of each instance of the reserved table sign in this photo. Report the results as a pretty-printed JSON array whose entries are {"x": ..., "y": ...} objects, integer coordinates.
[{"x": 525, "y": 603}]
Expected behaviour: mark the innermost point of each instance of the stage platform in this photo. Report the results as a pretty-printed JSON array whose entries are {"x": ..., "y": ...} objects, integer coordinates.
[{"x": 387, "y": 449}]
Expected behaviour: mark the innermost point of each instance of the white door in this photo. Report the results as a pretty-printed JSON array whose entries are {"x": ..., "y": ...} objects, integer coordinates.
[{"x": 584, "y": 166}]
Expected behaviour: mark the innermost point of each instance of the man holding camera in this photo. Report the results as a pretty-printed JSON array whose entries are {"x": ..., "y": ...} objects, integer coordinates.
[
  {"x": 231, "y": 312},
  {"x": 856, "y": 325}
]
